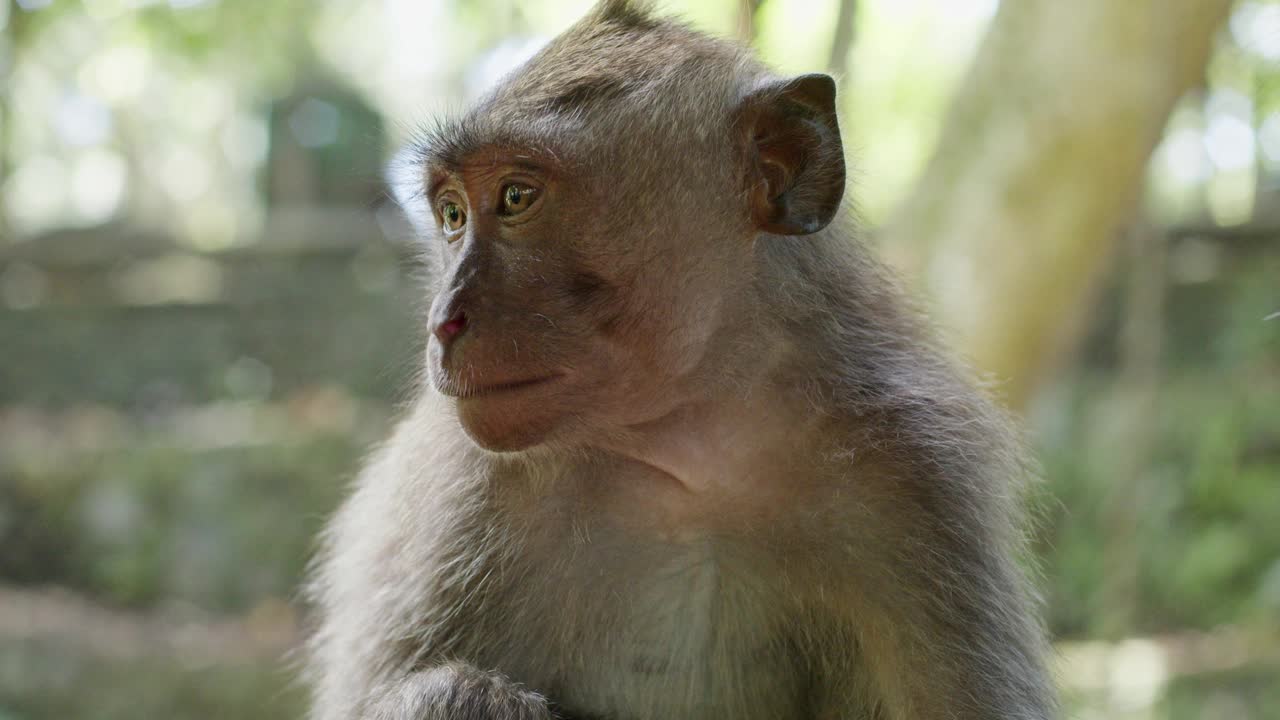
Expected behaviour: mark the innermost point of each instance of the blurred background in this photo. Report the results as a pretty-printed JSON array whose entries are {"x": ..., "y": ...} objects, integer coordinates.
[{"x": 207, "y": 310}]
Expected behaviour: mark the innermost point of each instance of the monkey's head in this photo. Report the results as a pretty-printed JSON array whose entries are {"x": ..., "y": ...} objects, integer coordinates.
[{"x": 596, "y": 221}]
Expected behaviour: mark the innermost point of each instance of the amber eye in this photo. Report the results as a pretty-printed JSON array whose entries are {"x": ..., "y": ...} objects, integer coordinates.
[
  {"x": 453, "y": 215},
  {"x": 516, "y": 198}
]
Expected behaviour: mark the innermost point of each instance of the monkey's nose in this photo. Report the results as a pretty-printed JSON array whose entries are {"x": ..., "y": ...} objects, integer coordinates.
[{"x": 448, "y": 330}]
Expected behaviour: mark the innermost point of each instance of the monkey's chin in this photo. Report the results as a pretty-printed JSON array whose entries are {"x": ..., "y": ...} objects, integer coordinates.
[{"x": 499, "y": 427}]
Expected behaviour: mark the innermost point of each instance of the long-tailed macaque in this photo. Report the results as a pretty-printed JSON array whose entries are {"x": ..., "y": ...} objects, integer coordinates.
[{"x": 683, "y": 450}]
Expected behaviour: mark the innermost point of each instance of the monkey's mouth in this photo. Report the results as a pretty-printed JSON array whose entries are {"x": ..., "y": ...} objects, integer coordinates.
[{"x": 468, "y": 390}]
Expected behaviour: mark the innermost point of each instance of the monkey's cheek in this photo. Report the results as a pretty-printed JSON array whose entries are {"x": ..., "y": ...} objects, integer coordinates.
[{"x": 501, "y": 427}]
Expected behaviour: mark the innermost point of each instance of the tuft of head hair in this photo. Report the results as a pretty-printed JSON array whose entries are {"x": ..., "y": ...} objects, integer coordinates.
[
  {"x": 627, "y": 13},
  {"x": 619, "y": 58}
]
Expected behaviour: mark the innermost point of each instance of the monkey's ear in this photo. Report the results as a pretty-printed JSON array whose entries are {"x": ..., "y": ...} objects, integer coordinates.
[{"x": 795, "y": 156}]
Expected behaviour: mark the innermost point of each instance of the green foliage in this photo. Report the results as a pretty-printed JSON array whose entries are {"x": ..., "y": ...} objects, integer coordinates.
[
  {"x": 1204, "y": 531},
  {"x": 1240, "y": 693},
  {"x": 151, "y": 522},
  {"x": 46, "y": 680}
]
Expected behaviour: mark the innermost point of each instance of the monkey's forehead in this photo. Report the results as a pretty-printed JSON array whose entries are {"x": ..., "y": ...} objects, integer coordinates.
[
  {"x": 484, "y": 136},
  {"x": 619, "y": 69},
  {"x": 616, "y": 52}
]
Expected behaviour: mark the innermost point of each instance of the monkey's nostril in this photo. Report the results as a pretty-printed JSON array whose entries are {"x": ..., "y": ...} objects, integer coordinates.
[{"x": 451, "y": 328}]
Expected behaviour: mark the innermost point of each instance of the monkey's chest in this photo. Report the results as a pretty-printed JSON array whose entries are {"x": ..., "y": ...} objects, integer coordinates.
[{"x": 677, "y": 634}]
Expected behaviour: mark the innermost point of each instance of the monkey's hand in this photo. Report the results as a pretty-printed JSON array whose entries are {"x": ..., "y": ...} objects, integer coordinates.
[{"x": 454, "y": 691}]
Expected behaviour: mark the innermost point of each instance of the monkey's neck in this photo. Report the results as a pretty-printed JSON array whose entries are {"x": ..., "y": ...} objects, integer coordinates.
[{"x": 734, "y": 437}]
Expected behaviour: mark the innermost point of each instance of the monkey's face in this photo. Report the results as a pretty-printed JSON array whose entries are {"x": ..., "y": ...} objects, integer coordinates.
[
  {"x": 569, "y": 304},
  {"x": 597, "y": 236}
]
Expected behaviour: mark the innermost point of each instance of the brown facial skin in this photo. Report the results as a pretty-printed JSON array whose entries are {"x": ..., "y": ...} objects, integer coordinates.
[
  {"x": 502, "y": 287},
  {"x": 573, "y": 290},
  {"x": 685, "y": 451}
]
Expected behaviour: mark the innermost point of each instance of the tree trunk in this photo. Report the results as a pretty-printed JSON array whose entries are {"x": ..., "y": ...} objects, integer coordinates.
[
  {"x": 1039, "y": 164},
  {"x": 1135, "y": 397},
  {"x": 9, "y": 19},
  {"x": 842, "y": 43},
  {"x": 747, "y": 10}
]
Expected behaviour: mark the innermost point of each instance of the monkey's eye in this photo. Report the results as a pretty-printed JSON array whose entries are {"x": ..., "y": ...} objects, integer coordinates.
[
  {"x": 454, "y": 216},
  {"x": 517, "y": 197}
]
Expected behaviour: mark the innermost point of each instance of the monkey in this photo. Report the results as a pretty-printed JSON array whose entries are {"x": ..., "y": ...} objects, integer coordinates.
[{"x": 683, "y": 447}]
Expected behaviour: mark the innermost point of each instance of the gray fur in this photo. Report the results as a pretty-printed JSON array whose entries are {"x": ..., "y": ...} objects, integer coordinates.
[{"x": 801, "y": 508}]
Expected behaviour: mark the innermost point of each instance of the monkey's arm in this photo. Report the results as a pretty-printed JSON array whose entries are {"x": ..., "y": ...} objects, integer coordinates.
[
  {"x": 943, "y": 623},
  {"x": 452, "y": 691},
  {"x": 956, "y": 663}
]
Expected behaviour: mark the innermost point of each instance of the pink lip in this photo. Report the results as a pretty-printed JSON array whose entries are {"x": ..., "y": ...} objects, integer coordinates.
[{"x": 461, "y": 393}]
